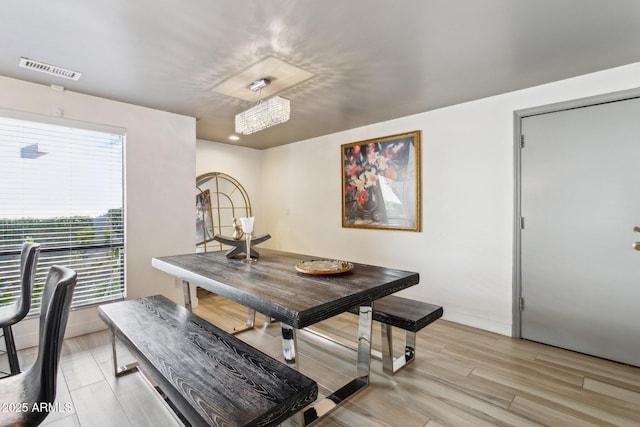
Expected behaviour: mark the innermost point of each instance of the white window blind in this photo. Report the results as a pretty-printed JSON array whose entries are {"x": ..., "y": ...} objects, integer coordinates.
[{"x": 62, "y": 187}]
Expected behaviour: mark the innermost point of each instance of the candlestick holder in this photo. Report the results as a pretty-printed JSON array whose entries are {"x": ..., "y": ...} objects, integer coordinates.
[
  {"x": 238, "y": 246},
  {"x": 247, "y": 228},
  {"x": 248, "y": 258}
]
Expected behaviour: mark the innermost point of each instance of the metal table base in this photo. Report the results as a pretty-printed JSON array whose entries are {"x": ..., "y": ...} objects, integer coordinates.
[{"x": 321, "y": 408}]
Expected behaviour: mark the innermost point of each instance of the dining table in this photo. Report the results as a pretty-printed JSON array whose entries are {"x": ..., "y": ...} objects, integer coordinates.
[{"x": 296, "y": 297}]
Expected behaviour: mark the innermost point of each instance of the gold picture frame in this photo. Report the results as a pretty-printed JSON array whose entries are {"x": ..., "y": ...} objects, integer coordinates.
[{"x": 381, "y": 183}]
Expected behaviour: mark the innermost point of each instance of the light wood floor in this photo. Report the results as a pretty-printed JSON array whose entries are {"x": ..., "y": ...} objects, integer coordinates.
[{"x": 461, "y": 377}]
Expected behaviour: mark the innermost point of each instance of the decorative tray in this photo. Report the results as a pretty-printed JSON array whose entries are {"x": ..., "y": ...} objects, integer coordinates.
[{"x": 324, "y": 266}]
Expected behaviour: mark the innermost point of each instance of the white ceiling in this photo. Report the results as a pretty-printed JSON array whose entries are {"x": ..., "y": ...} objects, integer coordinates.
[{"x": 371, "y": 60}]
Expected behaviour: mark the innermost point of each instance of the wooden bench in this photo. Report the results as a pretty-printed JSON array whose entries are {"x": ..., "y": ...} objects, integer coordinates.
[
  {"x": 208, "y": 375},
  {"x": 406, "y": 314}
]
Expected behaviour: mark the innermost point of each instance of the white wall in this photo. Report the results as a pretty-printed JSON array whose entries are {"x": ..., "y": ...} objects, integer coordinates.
[
  {"x": 464, "y": 253},
  {"x": 159, "y": 179},
  {"x": 243, "y": 164}
]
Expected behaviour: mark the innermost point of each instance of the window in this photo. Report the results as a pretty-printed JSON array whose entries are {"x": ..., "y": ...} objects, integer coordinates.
[{"x": 62, "y": 187}]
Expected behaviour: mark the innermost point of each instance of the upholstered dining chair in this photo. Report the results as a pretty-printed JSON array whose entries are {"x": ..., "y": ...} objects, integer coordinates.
[
  {"x": 13, "y": 313},
  {"x": 33, "y": 391}
]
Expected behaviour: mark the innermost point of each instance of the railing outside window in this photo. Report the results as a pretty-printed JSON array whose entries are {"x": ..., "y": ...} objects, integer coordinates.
[{"x": 62, "y": 187}]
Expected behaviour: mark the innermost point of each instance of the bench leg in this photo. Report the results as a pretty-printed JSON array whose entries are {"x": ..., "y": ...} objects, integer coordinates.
[
  {"x": 389, "y": 365},
  {"x": 267, "y": 320},
  {"x": 251, "y": 318},
  {"x": 387, "y": 348},
  {"x": 409, "y": 347},
  {"x": 186, "y": 292},
  {"x": 251, "y": 321},
  {"x": 119, "y": 371}
]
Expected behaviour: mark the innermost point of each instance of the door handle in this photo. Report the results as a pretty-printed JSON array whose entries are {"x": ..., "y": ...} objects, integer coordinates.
[
  {"x": 636, "y": 229},
  {"x": 636, "y": 246}
]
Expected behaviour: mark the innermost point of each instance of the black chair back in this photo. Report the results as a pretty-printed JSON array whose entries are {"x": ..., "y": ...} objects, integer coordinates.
[
  {"x": 54, "y": 312},
  {"x": 15, "y": 312},
  {"x": 36, "y": 387},
  {"x": 28, "y": 262}
]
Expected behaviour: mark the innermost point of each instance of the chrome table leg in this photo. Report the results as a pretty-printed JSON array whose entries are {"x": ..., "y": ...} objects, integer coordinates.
[
  {"x": 289, "y": 344},
  {"x": 365, "y": 323},
  {"x": 363, "y": 369},
  {"x": 251, "y": 316}
]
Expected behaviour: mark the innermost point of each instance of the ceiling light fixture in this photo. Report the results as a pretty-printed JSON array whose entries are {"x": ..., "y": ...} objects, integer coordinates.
[
  {"x": 265, "y": 113},
  {"x": 259, "y": 84}
]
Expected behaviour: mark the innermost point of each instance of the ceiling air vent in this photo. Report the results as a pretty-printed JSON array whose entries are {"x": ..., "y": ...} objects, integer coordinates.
[{"x": 49, "y": 69}]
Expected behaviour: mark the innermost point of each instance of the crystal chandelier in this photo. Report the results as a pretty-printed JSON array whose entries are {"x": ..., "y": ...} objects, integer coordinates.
[{"x": 264, "y": 114}]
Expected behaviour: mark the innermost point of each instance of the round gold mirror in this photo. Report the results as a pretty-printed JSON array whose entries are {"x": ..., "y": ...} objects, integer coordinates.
[{"x": 220, "y": 199}]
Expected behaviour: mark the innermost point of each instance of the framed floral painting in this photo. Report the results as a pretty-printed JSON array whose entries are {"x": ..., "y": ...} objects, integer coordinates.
[{"x": 381, "y": 183}]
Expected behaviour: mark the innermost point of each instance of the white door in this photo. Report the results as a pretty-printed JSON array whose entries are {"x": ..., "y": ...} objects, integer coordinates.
[{"x": 580, "y": 201}]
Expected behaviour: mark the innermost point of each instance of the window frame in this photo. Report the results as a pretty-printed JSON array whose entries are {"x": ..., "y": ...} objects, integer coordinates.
[{"x": 118, "y": 248}]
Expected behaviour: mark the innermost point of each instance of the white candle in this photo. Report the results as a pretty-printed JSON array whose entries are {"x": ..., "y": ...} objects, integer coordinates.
[{"x": 247, "y": 224}]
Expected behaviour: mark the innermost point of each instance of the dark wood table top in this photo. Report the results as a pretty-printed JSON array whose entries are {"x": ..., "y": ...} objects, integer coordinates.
[{"x": 272, "y": 285}]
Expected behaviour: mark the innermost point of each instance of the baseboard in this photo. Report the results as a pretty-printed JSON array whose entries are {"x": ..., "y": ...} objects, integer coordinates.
[
  {"x": 81, "y": 322},
  {"x": 491, "y": 325}
]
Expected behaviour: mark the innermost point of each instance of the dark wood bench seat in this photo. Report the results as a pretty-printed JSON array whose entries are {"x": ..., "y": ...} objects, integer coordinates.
[
  {"x": 210, "y": 376},
  {"x": 406, "y": 314}
]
